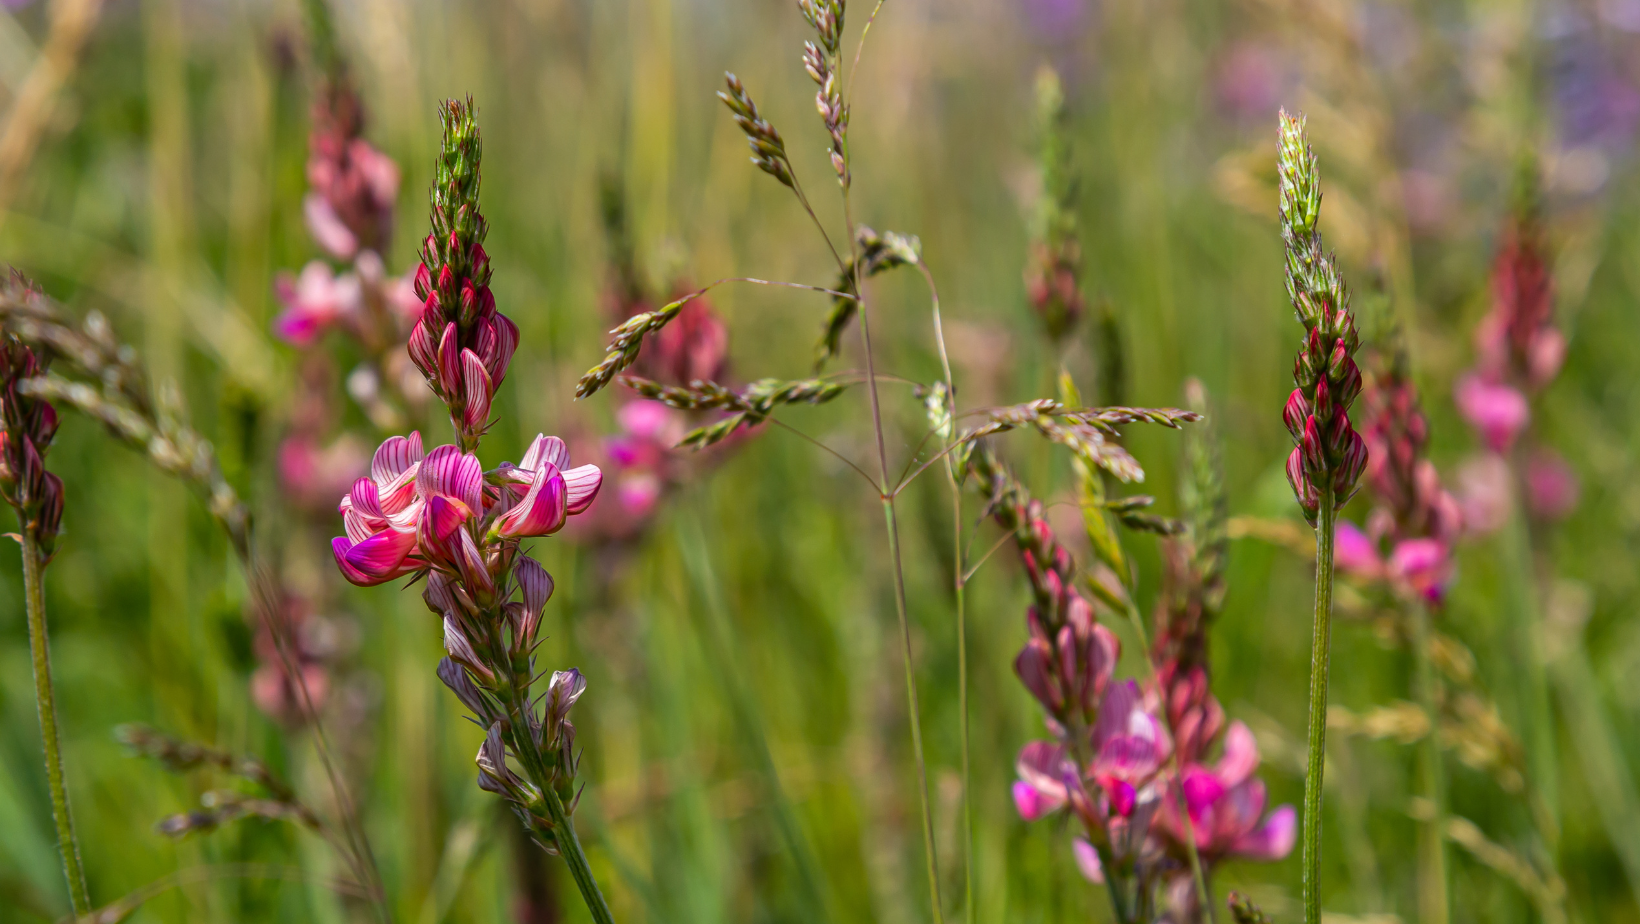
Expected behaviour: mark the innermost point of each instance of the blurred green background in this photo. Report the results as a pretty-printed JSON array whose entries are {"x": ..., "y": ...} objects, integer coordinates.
[{"x": 165, "y": 190}]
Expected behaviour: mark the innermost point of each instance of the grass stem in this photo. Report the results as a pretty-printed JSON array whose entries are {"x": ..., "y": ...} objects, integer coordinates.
[{"x": 1434, "y": 903}]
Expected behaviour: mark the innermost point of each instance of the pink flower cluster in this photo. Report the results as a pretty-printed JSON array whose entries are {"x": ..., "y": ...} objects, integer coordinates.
[
  {"x": 1110, "y": 762},
  {"x": 441, "y": 511}
]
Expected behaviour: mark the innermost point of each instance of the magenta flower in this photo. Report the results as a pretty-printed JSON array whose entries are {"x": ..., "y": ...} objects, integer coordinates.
[
  {"x": 548, "y": 491},
  {"x": 1127, "y": 745},
  {"x": 314, "y": 301},
  {"x": 1424, "y": 566},
  {"x": 1497, "y": 411},
  {"x": 1226, "y": 807},
  {"x": 380, "y": 515},
  {"x": 1355, "y": 553}
]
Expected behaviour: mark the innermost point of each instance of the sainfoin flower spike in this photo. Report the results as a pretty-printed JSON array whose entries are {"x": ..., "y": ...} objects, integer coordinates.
[
  {"x": 1325, "y": 466},
  {"x": 461, "y": 343},
  {"x": 27, "y": 427},
  {"x": 438, "y": 514}
]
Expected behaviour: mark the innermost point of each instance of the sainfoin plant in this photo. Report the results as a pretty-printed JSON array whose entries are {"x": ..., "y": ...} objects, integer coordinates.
[{"x": 438, "y": 515}]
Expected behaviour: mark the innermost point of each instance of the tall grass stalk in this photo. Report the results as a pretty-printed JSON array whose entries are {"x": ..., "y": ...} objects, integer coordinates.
[
  {"x": 1434, "y": 887},
  {"x": 1320, "y": 655},
  {"x": 45, "y": 699}
]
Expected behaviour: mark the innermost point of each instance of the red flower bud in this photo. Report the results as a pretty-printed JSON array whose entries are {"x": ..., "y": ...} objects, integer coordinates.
[{"x": 1296, "y": 411}]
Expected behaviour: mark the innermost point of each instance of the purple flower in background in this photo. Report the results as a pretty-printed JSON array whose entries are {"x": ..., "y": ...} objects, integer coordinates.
[
  {"x": 314, "y": 301},
  {"x": 1055, "y": 20},
  {"x": 1249, "y": 81},
  {"x": 1552, "y": 487}
]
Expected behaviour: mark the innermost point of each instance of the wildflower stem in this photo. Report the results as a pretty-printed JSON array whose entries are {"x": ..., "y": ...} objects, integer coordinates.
[
  {"x": 569, "y": 847},
  {"x": 1320, "y": 647},
  {"x": 529, "y": 755},
  {"x": 1106, "y": 861},
  {"x": 46, "y": 700},
  {"x": 1434, "y": 903}
]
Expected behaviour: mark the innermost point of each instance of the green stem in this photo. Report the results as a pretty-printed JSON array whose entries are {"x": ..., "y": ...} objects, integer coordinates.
[
  {"x": 1107, "y": 863},
  {"x": 1433, "y": 887},
  {"x": 1320, "y": 647},
  {"x": 569, "y": 847},
  {"x": 911, "y": 704},
  {"x": 563, "y": 826},
  {"x": 962, "y": 704},
  {"x": 46, "y": 700}
]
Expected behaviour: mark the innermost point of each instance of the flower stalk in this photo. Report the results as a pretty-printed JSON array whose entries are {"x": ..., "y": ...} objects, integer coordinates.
[
  {"x": 1326, "y": 464},
  {"x": 37, "y": 497}
]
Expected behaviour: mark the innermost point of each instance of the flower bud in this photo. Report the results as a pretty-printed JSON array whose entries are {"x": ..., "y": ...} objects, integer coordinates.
[{"x": 1295, "y": 413}]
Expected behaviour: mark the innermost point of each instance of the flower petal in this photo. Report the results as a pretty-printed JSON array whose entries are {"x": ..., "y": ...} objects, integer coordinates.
[
  {"x": 541, "y": 512},
  {"x": 376, "y": 560},
  {"x": 536, "y": 584},
  {"x": 581, "y": 484},
  {"x": 477, "y": 389},
  {"x": 1271, "y": 840},
  {"x": 1087, "y": 861},
  {"x": 545, "y": 450},
  {"x": 452, "y": 473},
  {"x": 395, "y": 456},
  {"x": 1240, "y": 755}
]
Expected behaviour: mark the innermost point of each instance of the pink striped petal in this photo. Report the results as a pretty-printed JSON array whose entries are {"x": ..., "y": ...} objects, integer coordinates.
[
  {"x": 450, "y": 472},
  {"x": 581, "y": 484},
  {"x": 376, "y": 560},
  {"x": 449, "y": 361},
  {"x": 438, "y": 594},
  {"x": 423, "y": 351},
  {"x": 545, "y": 450},
  {"x": 540, "y": 513},
  {"x": 470, "y": 562},
  {"x": 506, "y": 336},
  {"x": 395, "y": 455},
  {"x": 441, "y": 518},
  {"x": 478, "y": 390},
  {"x": 536, "y": 584},
  {"x": 364, "y": 499}
]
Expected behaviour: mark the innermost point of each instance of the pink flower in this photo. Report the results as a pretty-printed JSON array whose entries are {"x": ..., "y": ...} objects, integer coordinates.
[
  {"x": 313, "y": 302},
  {"x": 548, "y": 491},
  {"x": 381, "y": 514},
  {"x": 327, "y": 227},
  {"x": 1423, "y": 566},
  {"x": 1497, "y": 411},
  {"x": 1485, "y": 493},
  {"x": 1551, "y": 486},
  {"x": 1355, "y": 553},
  {"x": 315, "y": 474},
  {"x": 1226, "y": 807},
  {"x": 1087, "y": 861}
]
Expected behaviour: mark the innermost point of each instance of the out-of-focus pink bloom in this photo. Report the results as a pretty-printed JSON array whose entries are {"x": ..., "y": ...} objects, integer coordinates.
[
  {"x": 1355, "y": 553},
  {"x": 1033, "y": 803},
  {"x": 313, "y": 302},
  {"x": 694, "y": 346},
  {"x": 314, "y": 475},
  {"x": 327, "y": 227},
  {"x": 1249, "y": 81},
  {"x": 1423, "y": 566},
  {"x": 1552, "y": 487},
  {"x": 1226, "y": 807},
  {"x": 1497, "y": 411},
  {"x": 381, "y": 515},
  {"x": 546, "y": 489},
  {"x": 1485, "y": 493},
  {"x": 1087, "y": 861},
  {"x": 275, "y": 694}
]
